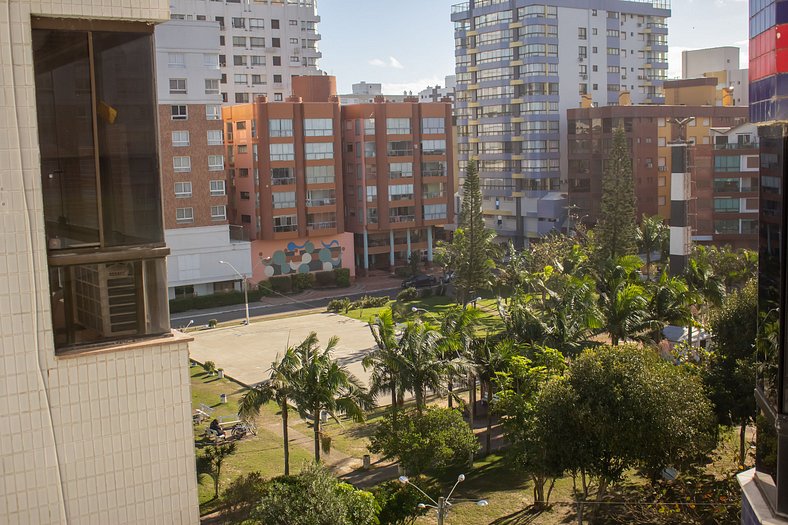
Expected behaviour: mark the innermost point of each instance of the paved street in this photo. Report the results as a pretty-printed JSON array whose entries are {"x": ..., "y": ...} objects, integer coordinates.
[{"x": 246, "y": 352}]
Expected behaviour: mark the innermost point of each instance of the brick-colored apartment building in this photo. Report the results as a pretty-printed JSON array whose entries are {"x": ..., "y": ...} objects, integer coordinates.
[{"x": 301, "y": 188}]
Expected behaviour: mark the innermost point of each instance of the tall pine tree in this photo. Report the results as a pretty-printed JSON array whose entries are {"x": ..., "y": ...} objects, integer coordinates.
[
  {"x": 616, "y": 229},
  {"x": 471, "y": 250}
]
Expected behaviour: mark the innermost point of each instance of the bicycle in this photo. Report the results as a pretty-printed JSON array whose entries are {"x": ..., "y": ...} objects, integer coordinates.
[{"x": 242, "y": 428}]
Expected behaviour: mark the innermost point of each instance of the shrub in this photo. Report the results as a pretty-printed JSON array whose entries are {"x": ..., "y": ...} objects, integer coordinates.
[
  {"x": 403, "y": 271},
  {"x": 183, "y": 304},
  {"x": 281, "y": 283},
  {"x": 326, "y": 278},
  {"x": 210, "y": 367},
  {"x": 399, "y": 504},
  {"x": 303, "y": 281},
  {"x": 338, "y": 305},
  {"x": 241, "y": 496},
  {"x": 426, "y": 292},
  {"x": 408, "y": 294},
  {"x": 369, "y": 301},
  {"x": 342, "y": 277},
  {"x": 212, "y": 323},
  {"x": 264, "y": 288}
]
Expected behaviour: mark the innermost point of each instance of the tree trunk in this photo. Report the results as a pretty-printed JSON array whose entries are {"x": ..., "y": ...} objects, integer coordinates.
[
  {"x": 600, "y": 493},
  {"x": 418, "y": 393},
  {"x": 488, "y": 438},
  {"x": 450, "y": 387},
  {"x": 742, "y": 438},
  {"x": 549, "y": 492},
  {"x": 286, "y": 439},
  {"x": 316, "y": 415},
  {"x": 648, "y": 264},
  {"x": 472, "y": 397}
]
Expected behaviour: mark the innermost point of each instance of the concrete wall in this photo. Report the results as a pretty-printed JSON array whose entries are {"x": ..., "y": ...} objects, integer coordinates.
[
  {"x": 264, "y": 253},
  {"x": 103, "y": 437}
]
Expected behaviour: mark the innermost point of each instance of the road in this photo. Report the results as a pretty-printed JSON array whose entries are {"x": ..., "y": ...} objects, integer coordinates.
[{"x": 237, "y": 312}]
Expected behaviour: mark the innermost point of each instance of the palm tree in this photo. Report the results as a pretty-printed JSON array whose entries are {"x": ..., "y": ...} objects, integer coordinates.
[
  {"x": 489, "y": 357},
  {"x": 324, "y": 385},
  {"x": 458, "y": 329},
  {"x": 279, "y": 387},
  {"x": 703, "y": 284},
  {"x": 651, "y": 236},
  {"x": 670, "y": 303},
  {"x": 384, "y": 360},
  {"x": 421, "y": 366}
]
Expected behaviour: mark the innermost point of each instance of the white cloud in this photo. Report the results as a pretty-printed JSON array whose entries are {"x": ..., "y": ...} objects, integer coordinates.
[{"x": 392, "y": 63}]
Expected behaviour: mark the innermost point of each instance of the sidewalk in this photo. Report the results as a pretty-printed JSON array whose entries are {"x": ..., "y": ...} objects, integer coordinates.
[{"x": 377, "y": 282}]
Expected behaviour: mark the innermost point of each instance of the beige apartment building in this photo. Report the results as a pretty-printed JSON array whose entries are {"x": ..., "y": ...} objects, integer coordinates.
[{"x": 95, "y": 394}]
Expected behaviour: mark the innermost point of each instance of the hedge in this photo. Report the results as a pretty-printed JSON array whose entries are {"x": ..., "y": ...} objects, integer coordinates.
[
  {"x": 342, "y": 277},
  {"x": 200, "y": 302}
]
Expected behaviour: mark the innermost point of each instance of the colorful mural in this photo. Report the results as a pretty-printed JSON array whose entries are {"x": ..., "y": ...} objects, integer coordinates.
[{"x": 304, "y": 258}]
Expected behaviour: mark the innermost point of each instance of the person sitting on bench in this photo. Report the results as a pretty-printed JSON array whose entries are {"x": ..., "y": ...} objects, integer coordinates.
[{"x": 215, "y": 427}]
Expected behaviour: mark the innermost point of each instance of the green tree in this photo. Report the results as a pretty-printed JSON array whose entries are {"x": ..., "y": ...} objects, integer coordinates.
[
  {"x": 385, "y": 361},
  {"x": 615, "y": 230},
  {"x": 421, "y": 366},
  {"x": 398, "y": 503},
  {"x": 651, "y": 236},
  {"x": 624, "y": 407},
  {"x": 458, "y": 332},
  {"x": 211, "y": 461},
  {"x": 324, "y": 385},
  {"x": 314, "y": 497},
  {"x": 669, "y": 302},
  {"x": 471, "y": 251},
  {"x": 434, "y": 440},
  {"x": 280, "y": 387},
  {"x": 624, "y": 303},
  {"x": 730, "y": 371},
  {"x": 241, "y": 496}
]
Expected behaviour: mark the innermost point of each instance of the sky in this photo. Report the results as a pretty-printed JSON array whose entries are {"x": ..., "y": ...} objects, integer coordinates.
[{"x": 409, "y": 44}]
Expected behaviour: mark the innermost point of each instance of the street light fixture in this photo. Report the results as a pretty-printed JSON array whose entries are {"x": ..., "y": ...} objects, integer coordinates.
[
  {"x": 443, "y": 505},
  {"x": 246, "y": 294}
]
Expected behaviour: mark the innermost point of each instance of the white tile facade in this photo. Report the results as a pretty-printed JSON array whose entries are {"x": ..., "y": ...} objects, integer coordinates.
[{"x": 99, "y": 438}]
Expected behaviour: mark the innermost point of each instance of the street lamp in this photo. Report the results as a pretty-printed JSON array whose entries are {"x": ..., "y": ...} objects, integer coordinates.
[
  {"x": 415, "y": 309},
  {"x": 246, "y": 294},
  {"x": 443, "y": 505}
]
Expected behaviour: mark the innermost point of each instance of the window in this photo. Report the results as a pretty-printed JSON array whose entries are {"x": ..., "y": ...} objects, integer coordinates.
[
  {"x": 256, "y": 41},
  {"x": 215, "y": 162},
  {"x": 275, "y": 42},
  {"x": 184, "y": 215},
  {"x": 433, "y": 126},
  {"x": 433, "y": 147},
  {"x": 219, "y": 213},
  {"x": 245, "y": 196},
  {"x": 183, "y": 190},
  {"x": 176, "y": 60},
  {"x": 401, "y": 148},
  {"x": 282, "y": 176},
  {"x": 434, "y": 211},
  {"x": 294, "y": 41},
  {"x": 180, "y": 138},
  {"x": 181, "y": 164},
  {"x": 257, "y": 79},
  {"x": 256, "y": 23},
  {"x": 277, "y": 60},
  {"x": 281, "y": 152},
  {"x": 239, "y": 23},
  {"x": 398, "y": 170},
  {"x": 178, "y": 112},
  {"x": 433, "y": 169},
  {"x": 294, "y": 59},
  {"x": 582, "y": 33},
  {"x": 293, "y": 22},
  {"x": 242, "y": 149},
  {"x": 240, "y": 79},
  {"x": 283, "y": 199},
  {"x": 217, "y": 188},
  {"x": 726, "y": 226},
  {"x": 215, "y": 137},
  {"x": 320, "y": 174},
  {"x": 177, "y": 86},
  {"x": 246, "y": 219},
  {"x": 398, "y": 126},
  {"x": 242, "y": 98},
  {"x": 211, "y": 86},
  {"x": 372, "y": 193},
  {"x": 398, "y": 192},
  {"x": 239, "y": 60},
  {"x": 320, "y": 198},
  {"x": 277, "y": 79},
  {"x": 319, "y": 150},
  {"x": 722, "y": 205},
  {"x": 727, "y": 163},
  {"x": 213, "y": 112},
  {"x": 285, "y": 223},
  {"x": 239, "y": 41},
  {"x": 318, "y": 127},
  {"x": 210, "y": 60},
  {"x": 280, "y": 127},
  {"x": 257, "y": 60},
  {"x": 243, "y": 172},
  {"x": 274, "y": 23}
]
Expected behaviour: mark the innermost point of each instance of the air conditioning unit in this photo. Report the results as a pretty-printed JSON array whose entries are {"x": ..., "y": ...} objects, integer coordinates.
[{"x": 584, "y": 77}]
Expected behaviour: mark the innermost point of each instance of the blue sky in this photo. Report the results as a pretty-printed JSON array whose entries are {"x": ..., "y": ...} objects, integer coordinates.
[{"x": 409, "y": 44}]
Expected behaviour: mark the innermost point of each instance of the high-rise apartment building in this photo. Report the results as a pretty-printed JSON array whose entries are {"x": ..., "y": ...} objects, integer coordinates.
[
  {"x": 515, "y": 83},
  {"x": 192, "y": 163},
  {"x": 95, "y": 390},
  {"x": 262, "y": 43},
  {"x": 721, "y": 63},
  {"x": 310, "y": 200}
]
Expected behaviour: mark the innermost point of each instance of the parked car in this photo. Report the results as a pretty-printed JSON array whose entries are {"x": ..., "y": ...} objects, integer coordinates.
[{"x": 419, "y": 281}]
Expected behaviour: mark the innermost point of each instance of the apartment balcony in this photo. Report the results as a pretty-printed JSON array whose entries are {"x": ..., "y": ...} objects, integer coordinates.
[
  {"x": 283, "y": 181},
  {"x": 321, "y": 227},
  {"x": 736, "y": 145},
  {"x": 317, "y": 203},
  {"x": 399, "y": 219},
  {"x": 460, "y": 11}
]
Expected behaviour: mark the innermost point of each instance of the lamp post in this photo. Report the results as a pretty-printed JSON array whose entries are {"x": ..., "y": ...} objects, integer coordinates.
[
  {"x": 443, "y": 505},
  {"x": 246, "y": 293},
  {"x": 415, "y": 309}
]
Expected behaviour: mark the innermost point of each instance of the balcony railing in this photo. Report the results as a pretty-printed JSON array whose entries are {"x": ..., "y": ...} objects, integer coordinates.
[
  {"x": 326, "y": 225},
  {"x": 460, "y": 8},
  {"x": 238, "y": 234},
  {"x": 402, "y": 218},
  {"x": 434, "y": 216},
  {"x": 286, "y": 228},
  {"x": 283, "y": 181},
  {"x": 328, "y": 201},
  {"x": 736, "y": 145}
]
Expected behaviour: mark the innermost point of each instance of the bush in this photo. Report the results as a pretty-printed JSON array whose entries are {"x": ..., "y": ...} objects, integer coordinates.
[
  {"x": 437, "y": 440},
  {"x": 403, "y": 271},
  {"x": 398, "y": 503},
  {"x": 241, "y": 496},
  {"x": 338, "y": 305},
  {"x": 210, "y": 367},
  {"x": 264, "y": 288},
  {"x": 369, "y": 301},
  {"x": 408, "y": 294},
  {"x": 342, "y": 277},
  {"x": 212, "y": 323},
  {"x": 183, "y": 304},
  {"x": 303, "y": 281},
  {"x": 426, "y": 292},
  {"x": 281, "y": 283},
  {"x": 326, "y": 278}
]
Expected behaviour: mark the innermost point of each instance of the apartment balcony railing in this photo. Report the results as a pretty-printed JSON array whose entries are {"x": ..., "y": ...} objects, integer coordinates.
[
  {"x": 434, "y": 216},
  {"x": 326, "y": 225},
  {"x": 321, "y": 202},
  {"x": 736, "y": 145},
  {"x": 460, "y": 8},
  {"x": 283, "y": 181},
  {"x": 286, "y": 228},
  {"x": 434, "y": 194},
  {"x": 402, "y": 218},
  {"x": 238, "y": 234}
]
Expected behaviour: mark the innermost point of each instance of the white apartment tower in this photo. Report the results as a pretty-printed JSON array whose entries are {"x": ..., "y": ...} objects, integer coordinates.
[
  {"x": 262, "y": 43},
  {"x": 515, "y": 84}
]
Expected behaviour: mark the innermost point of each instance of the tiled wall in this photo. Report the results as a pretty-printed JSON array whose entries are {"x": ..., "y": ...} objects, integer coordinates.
[{"x": 102, "y": 438}]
